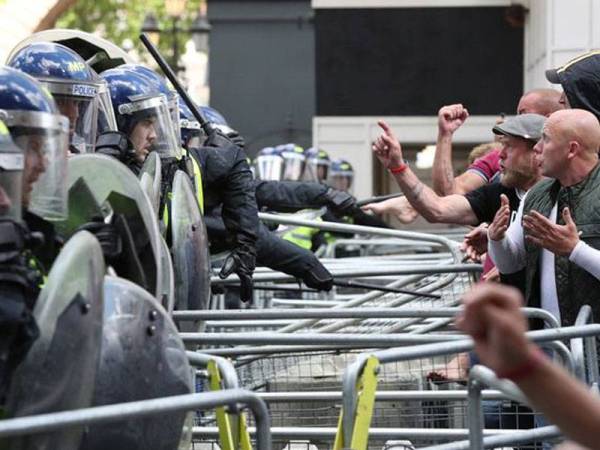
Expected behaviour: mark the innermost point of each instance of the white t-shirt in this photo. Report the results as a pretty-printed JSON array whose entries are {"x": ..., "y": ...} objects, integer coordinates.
[{"x": 509, "y": 256}]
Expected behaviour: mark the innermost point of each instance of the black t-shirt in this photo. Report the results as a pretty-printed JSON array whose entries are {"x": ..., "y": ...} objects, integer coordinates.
[{"x": 485, "y": 201}]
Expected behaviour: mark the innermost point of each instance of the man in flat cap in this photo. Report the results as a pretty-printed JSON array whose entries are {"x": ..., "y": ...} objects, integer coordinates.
[{"x": 519, "y": 172}]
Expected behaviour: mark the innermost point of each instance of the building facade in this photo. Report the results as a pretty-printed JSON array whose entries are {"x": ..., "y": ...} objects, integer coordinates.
[{"x": 323, "y": 72}]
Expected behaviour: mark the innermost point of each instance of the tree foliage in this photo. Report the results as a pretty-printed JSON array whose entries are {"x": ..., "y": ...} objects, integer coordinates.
[{"x": 119, "y": 20}]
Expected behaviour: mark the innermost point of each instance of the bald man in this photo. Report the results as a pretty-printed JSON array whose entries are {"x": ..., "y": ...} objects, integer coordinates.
[
  {"x": 555, "y": 236},
  {"x": 540, "y": 101},
  {"x": 451, "y": 118}
]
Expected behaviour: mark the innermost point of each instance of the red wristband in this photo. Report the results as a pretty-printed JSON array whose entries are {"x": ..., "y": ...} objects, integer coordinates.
[
  {"x": 535, "y": 359},
  {"x": 399, "y": 169}
]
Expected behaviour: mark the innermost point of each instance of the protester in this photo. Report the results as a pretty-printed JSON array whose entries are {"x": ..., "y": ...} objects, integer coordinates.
[
  {"x": 519, "y": 168},
  {"x": 553, "y": 234},
  {"x": 579, "y": 79},
  {"x": 480, "y": 172}
]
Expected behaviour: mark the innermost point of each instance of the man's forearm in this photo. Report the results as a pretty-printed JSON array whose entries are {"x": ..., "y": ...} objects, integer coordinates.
[
  {"x": 442, "y": 171},
  {"x": 449, "y": 209},
  {"x": 565, "y": 402}
]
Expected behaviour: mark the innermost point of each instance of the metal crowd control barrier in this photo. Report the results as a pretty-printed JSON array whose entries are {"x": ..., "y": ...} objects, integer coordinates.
[
  {"x": 247, "y": 317},
  {"x": 356, "y": 229},
  {"x": 367, "y": 365},
  {"x": 347, "y": 340},
  {"x": 284, "y": 350},
  {"x": 347, "y": 273},
  {"x": 123, "y": 411},
  {"x": 585, "y": 350},
  {"x": 479, "y": 376}
]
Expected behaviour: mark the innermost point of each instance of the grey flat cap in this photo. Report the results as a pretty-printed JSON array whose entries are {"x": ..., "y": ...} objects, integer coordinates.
[{"x": 526, "y": 126}]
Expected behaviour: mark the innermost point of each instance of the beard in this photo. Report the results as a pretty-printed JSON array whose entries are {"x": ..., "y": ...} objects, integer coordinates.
[{"x": 519, "y": 179}]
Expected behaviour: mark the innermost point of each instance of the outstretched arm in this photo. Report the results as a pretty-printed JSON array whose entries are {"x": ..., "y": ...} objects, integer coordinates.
[
  {"x": 449, "y": 209},
  {"x": 398, "y": 207},
  {"x": 450, "y": 119}
]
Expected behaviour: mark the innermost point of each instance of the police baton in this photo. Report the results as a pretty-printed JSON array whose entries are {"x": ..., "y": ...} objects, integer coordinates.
[
  {"x": 279, "y": 288},
  {"x": 374, "y": 287},
  {"x": 346, "y": 284},
  {"x": 166, "y": 69}
]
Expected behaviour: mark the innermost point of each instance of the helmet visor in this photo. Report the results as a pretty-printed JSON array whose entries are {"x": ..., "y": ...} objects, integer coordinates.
[
  {"x": 152, "y": 127},
  {"x": 269, "y": 167},
  {"x": 106, "y": 115},
  {"x": 44, "y": 139},
  {"x": 192, "y": 134},
  {"x": 83, "y": 122},
  {"x": 79, "y": 102},
  {"x": 341, "y": 180},
  {"x": 11, "y": 179},
  {"x": 317, "y": 169},
  {"x": 293, "y": 166},
  {"x": 173, "y": 103}
]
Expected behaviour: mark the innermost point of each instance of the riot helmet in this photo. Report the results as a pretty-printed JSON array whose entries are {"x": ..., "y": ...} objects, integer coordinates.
[
  {"x": 269, "y": 164},
  {"x": 160, "y": 84},
  {"x": 192, "y": 134},
  {"x": 11, "y": 171},
  {"x": 213, "y": 116},
  {"x": 218, "y": 121},
  {"x": 42, "y": 133},
  {"x": 341, "y": 175},
  {"x": 106, "y": 115},
  {"x": 142, "y": 113},
  {"x": 317, "y": 165},
  {"x": 73, "y": 84},
  {"x": 293, "y": 161}
]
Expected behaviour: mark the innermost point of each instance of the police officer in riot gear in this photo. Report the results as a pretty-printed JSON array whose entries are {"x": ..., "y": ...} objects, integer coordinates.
[
  {"x": 160, "y": 84},
  {"x": 143, "y": 118},
  {"x": 290, "y": 196},
  {"x": 42, "y": 133},
  {"x": 294, "y": 161},
  {"x": 229, "y": 203},
  {"x": 18, "y": 282},
  {"x": 39, "y": 129},
  {"x": 279, "y": 187},
  {"x": 230, "y": 161},
  {"x": 317, "y": 165},
  {"x": 340, "y": 178},
  {"x": 76, "y": 88},
  {"x": 269, "y": 164},
  {"x": 341, "y": 175},
  {"x": 32, "y": 178},
  {"x": 171, "y": 162}
]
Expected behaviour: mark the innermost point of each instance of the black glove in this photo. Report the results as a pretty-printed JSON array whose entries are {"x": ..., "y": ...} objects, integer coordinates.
[
  {"x": 217, "y": 138},
  {"x": 242, "y": 261},
  {"x": 108, "y": 237},
  {"x": 235, "y": 137},
  {"x": 341, "y": 203},
  {"x": 318, "y": 278}
]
